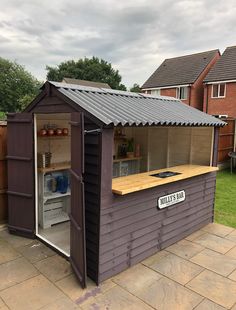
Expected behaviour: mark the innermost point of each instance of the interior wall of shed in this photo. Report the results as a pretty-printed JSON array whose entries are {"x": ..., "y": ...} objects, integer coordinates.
[{"x": 164, "y": 147}]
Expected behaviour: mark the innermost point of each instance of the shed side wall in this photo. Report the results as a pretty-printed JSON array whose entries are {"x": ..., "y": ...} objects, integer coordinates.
[{"x": 133, "y": 228}]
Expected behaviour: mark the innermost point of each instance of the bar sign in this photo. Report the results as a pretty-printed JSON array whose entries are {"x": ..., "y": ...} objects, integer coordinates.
[{"x": 171, "y": 199}]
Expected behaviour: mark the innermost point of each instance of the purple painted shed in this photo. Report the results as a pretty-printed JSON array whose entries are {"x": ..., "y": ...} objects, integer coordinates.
[{"x": 108, "y": 178}]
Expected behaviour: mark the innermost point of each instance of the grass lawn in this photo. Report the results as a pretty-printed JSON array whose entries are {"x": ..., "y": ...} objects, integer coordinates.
[{"x": 225, "y": 202}]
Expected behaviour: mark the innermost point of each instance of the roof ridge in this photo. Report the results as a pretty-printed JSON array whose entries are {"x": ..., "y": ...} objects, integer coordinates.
[
  {"x": 215, "y": 50},
  {"x": 229, "y": 47}
]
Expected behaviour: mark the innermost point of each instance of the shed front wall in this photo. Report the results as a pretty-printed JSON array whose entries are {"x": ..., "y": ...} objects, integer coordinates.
[
  {"x": 92, "y": 175},
  {"x": 132, "y": 227}
]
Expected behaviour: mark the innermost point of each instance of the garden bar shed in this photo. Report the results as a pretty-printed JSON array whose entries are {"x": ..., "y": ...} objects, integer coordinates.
[{"x": 109, "y": 177}]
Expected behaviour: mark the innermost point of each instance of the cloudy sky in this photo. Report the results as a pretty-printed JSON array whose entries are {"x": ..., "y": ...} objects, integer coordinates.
[{"x": 134, "y": 35}]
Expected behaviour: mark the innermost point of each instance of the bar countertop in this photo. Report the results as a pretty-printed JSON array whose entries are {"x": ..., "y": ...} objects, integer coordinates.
[{"x": 137, "y": 182}]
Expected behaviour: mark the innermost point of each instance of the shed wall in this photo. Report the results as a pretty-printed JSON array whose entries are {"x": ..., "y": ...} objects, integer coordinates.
[
  {"x": 92, "y": 175},
  {"x": 133, "y": 228}
]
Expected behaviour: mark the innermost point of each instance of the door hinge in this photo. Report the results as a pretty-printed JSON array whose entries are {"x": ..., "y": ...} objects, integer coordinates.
[{"x": 93, "y": 130}]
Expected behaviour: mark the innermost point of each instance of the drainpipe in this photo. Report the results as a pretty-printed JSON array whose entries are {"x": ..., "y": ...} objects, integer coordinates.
[
  {"x": 207, "y": 98},
  {"x": 189, "y": 100}
]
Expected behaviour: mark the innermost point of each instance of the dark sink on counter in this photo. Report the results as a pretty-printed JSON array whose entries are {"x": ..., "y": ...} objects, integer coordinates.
[{"x": 165, "y": 174}]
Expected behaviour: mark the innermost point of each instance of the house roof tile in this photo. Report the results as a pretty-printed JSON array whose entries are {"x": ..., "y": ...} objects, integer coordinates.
[
  {"x": 225, "y": 67},
  {"x": 180, "y": 70}
]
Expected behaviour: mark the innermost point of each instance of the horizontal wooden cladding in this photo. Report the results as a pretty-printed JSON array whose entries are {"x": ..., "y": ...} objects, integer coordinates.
[
  {"x": 144, "y": 195},
  {"x": 165, "y": 228},
  {"x": 52, "y": 104},
  {"x": 134, "y": 228},
  {"x": 131, "y": 254},
  {"x": 120, "y": 213},
  {"x": 130, "y": 261}
]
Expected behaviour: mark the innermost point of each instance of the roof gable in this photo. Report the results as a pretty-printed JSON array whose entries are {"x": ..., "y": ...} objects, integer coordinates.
[
  {"x": 225, "y": 67},
  {"x": 180, "y": 70}
]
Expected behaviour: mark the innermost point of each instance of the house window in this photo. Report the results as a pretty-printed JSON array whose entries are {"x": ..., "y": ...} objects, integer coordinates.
[
  {"x": 156, "y": 92},
  {"x": 218, "y": 90},
  {"x": 182, "y": 92}
]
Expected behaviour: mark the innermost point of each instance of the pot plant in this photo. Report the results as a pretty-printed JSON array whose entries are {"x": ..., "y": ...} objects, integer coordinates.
[{"x": 130, "y": 148}]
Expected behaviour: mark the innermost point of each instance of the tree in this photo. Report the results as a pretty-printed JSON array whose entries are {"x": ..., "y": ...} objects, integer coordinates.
[
  {"x": 17, "y": 86},
  {"x": 91, "y": 69},
  {"x": 135, "y": 88}
]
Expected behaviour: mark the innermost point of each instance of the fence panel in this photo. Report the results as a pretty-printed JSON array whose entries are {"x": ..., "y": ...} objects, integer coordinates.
[
  {"x": 226, "y": 140},
  {"x": 3, "y": 172}
]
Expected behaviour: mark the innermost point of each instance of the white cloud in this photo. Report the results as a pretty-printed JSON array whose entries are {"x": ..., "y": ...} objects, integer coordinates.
[{"x": 134, "y": 35}]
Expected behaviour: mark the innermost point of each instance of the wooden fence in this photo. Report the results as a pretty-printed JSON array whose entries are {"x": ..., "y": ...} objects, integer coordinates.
[
  {"x": 226, "y": 140},
  {"x": 3, "y": 172}
]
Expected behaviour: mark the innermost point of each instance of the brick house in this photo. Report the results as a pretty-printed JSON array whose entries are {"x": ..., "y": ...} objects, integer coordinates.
[
  {"x": 182, "y": 77},
  {"x": 220, "y": 86}
]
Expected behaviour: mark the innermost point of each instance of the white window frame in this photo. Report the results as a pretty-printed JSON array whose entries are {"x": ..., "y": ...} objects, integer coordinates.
[
  {"x": 178, "y": 92},
  {"x": 157, "y": 92},
  {"x": 218, "y": 90}
]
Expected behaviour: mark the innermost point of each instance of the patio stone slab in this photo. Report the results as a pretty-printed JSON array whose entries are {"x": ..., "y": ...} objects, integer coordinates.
[
  {"x": 194, "y": 235},
  {"x": 155, "y": 258},
  {"x": 166, "y": 294},
  {"x": 137, "y": 278},
  {"x": 215, "y": 287},
  {"x": 216, "y": 262},
  {"x": 232, "y": 236},
  {"x": 7, "y": 253},
  {"x": 36, "y": 251},
  {"x": 14, "y": 241},
  {"x": 215, "y": 243},
  {"x": 208, "y": 305},
  {"x": 72, "y": 289},
  {"x": 63, "y": 303},
  {"x": 16, "y": 271},
  {"x": 176, "y": 268},
  {"x": 232, "y": 253},
  {"x": 232, "y": 276},
  {"x": 54, "y": 268},
  {"x": 1, "y": 303},
  {"x": 185, "y": 249},
  {"x": 116, "y": 299},
  {"x": 218, "y": 229},
  {"x": 31, "y": 295}
]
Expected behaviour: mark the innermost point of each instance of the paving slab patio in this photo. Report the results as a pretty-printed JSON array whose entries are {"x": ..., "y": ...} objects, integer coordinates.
[{"x": 198, "y": 272}]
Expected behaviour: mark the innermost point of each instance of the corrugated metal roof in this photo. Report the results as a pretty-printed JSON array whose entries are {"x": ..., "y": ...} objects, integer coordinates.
[
  {"x": 180, "y": 70},
  {"x": 114, "y": 107}
]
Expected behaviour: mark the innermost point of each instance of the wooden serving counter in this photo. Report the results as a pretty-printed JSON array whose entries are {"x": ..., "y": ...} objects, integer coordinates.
[{"x": 141, "y": 181}]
